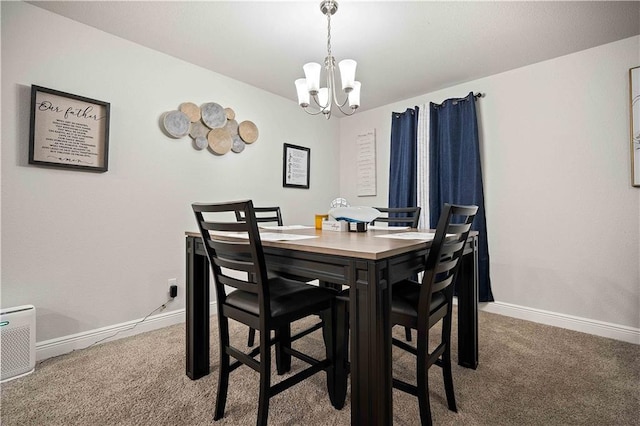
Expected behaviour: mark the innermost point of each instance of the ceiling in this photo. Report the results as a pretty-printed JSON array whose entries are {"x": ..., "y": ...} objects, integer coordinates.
[{"x": 403, "y": 48}]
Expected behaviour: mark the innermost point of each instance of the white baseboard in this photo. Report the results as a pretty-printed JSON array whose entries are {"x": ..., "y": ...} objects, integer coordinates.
[
  {"x": 66, "y": 344},
  {"x": 585, "y": 325}
]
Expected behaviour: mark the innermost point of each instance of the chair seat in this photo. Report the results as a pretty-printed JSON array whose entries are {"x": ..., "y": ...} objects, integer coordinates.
[
  {"x": 405, "y": 295},
  {"x": 287, "y": 298}
]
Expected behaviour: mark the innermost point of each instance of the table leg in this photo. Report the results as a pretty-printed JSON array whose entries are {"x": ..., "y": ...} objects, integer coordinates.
[
  {"x": 371, "y": 380},
  {"x": 467, "y": 284},
  {"x": 197, "y": 311}
]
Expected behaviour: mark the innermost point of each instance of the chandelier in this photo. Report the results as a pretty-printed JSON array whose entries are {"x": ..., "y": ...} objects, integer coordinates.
[{"x": 309, "y": 89}]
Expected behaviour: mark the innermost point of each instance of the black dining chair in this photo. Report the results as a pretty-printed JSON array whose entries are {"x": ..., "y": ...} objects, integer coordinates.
[
  {"x": 421, "y": 306},
  {"x": 271, "y": 215},
  {"x": 263, "y": 215},
  {"x": 399, "y": 216},
  {"x": 263, "y": 304}
]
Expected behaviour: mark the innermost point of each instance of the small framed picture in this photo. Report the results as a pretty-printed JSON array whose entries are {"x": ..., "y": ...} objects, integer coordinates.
[
  {"x": 634, "y": 90},
  {"x": 296, "y": 161},
  {"x": 68, "y": 131}
]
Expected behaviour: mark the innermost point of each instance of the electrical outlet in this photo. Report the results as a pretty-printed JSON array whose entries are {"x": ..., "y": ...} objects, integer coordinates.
[{"x": 173, "y": 287}]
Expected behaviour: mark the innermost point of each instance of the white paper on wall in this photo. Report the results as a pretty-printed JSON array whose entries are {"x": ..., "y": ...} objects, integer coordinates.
[{"x": 366, "y": 163}]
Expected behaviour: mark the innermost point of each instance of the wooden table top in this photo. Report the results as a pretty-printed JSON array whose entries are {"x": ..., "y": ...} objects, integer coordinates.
[{"x": 363, "y": 245}]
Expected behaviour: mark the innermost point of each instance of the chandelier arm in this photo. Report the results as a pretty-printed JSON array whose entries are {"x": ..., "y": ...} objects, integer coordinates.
[
  {"x": 331, "y": 75},
  {"x": 320, "y": 106},
  {"x": 311, "y": 113},
  {"x": 335, "y": 99},
  {"x": 353, "y": 110},
  {"x": 331, "y": 93}
]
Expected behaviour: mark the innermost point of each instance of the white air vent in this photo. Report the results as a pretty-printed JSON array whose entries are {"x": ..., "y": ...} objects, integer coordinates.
[{"x": 17, "y": 342}]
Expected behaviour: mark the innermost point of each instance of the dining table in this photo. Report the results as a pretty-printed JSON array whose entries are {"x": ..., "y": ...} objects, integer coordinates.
[{"x": 367, "y": 264}]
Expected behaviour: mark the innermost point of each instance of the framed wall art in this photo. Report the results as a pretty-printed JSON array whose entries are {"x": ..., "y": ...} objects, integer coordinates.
[
  {"x": 68, "y": 131},
  {"x": 634, "y": 90},
  {"x": 296, "y": 161}
]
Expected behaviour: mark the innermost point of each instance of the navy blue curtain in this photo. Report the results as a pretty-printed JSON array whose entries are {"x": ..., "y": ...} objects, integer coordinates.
[
  {"x": 403, "y": 183},
  {"x": 455, "y": 172}
]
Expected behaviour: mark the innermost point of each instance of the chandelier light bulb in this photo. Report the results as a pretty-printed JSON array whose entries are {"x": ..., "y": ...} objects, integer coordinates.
[
  {"x": 354, "y": 95},
  {"x": 347, "y": 74},
  {"x": 303, "y": 92},
  {"x": 312, "y": 74}
]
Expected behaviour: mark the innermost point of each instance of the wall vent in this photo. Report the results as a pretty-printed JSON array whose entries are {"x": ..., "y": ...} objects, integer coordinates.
[{"x": 17, "y": 342}]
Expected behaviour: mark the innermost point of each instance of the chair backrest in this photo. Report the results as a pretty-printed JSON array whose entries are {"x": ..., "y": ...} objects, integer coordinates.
[
  {"x": 444, "y": 256},
  {"x": 399, "y": 216},
  {"x": 237, "y": 261},
  {"x": 263, "y": 214}
]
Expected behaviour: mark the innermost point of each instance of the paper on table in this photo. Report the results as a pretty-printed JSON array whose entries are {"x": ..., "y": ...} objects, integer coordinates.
[
  {"x": 273, "y": 236},
  {"x": 387, "y": 228},
  {"x": 265, "y": 236},
  {"x": 410, "y": 236},
  {"x": 228, "y": 233},
  {"x": 284, "y": 227}
]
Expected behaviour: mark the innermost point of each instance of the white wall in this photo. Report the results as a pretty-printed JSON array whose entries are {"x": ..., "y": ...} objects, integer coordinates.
[
  {"x": 92, "y": 250},
  {"x": 562, "y": 217}
]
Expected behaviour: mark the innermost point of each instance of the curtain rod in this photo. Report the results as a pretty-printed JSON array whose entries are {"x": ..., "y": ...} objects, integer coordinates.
[{"x": 476, "y": 96}]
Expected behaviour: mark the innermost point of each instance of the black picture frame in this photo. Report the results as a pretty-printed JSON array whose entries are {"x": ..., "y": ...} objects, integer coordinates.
[
  {"x": 634, "y": 107},
  {"x": 68, "y": 131},
  {"x": 296, "y": 164}
]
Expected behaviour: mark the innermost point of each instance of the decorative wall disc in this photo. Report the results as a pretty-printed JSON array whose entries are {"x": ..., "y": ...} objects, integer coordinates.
[
  {"x": 213, "y": 115},
  {"x": 220, "y": 141},
  {"x": 191, "y": 110},
  {"x": 176, "y": 123},
  {"x": 201, "y": 142},
  {"x": 198, "y": 130},
  {"x": 232, "y": 127},
  {"x": 248, "y": 131},
  {"x": 238, "y": 144}
]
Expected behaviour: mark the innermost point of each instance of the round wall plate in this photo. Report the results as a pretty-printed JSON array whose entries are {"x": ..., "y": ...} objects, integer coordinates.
[
  {"x": 198, "y": 129},
  {"x": 232, "y": 127},
  {"x": 213, "y": 115},
  {"x": 201, "y": 142},
  {"x": 220, "y": 141},
  {"x": 191, "y": 110},
  {"x": 176, "y": 123},
  {"x": 238, "y": 144},
  {"x": 248, "y": 131}
]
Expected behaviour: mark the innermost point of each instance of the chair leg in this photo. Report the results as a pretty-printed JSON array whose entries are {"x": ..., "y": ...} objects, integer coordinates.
[
  {"x": 283, "y": 359},
  {"x": 446, "y": 365},
  {"x": 407, "y": 334},
  {"x": 252, "y": 337},
  {"x": 265, "y": 380},
  {"x": 336, "y": 339},
  {"x": 423, "y": 380},
  {"x": 223, "y": 371},
  {"x": 448, "y": 384}
]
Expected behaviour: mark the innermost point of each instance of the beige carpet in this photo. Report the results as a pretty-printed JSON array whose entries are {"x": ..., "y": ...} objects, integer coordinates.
[{"x": 529, "y": 374}]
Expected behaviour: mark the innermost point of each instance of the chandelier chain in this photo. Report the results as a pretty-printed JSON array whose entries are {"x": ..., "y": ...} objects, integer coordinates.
[{"x": 329, "y": 33}]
